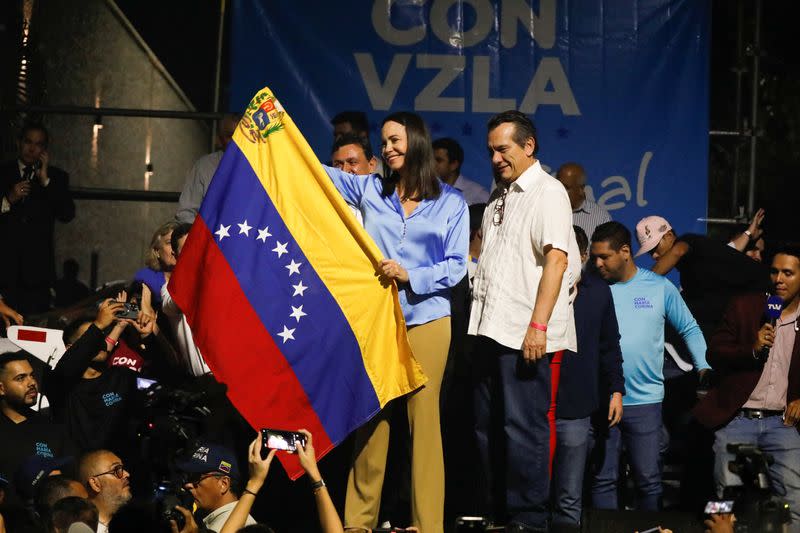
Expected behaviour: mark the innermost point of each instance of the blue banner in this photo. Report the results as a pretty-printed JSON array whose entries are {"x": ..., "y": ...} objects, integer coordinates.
[{"x": 620, "y": 87}]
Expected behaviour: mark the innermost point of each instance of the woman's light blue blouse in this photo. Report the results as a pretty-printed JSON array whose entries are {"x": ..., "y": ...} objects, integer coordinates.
[{"x": 431, "y": 243}]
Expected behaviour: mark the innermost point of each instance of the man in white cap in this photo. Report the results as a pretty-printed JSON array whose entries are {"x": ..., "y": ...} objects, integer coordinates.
[{"x": 711, "y": 272}]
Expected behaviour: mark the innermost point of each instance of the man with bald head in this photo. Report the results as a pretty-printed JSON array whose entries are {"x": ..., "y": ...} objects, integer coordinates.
[
  {"x": 108, "y": 483},
  {"x": 585, "y": 213}
]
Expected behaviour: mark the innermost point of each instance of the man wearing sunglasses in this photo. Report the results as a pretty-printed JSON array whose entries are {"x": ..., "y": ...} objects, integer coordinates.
[
  {"x": 212, "y": 477},
  {"x": 108, "y": 483}
]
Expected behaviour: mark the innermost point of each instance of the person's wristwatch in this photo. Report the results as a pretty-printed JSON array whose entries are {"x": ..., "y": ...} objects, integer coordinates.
[{"x": 748, "y": 233}]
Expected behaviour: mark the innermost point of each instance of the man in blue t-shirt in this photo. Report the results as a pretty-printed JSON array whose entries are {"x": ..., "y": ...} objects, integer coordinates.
[{"x": 642, "y": 300}]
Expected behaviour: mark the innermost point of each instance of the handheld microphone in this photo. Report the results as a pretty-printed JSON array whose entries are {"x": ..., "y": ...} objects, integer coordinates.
[{"x": 773, "y": 311}]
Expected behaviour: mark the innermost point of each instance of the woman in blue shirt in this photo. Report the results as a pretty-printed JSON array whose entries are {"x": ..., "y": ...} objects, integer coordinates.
[
  {"x": 422, "y": 227},
  {"x": 160, "y": 261}
]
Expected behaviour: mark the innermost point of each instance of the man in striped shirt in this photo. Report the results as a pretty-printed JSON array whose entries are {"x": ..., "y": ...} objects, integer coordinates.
[{"x": 585, "y": 213}]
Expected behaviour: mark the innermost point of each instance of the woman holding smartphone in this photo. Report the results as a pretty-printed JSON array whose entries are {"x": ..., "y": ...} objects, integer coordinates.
[{"x": 422, "y": 227}]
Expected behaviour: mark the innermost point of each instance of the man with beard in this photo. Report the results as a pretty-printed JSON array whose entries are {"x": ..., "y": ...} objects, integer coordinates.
[
  {"x": 24, "y": 431},
  {"x": 108, "y": 483}
]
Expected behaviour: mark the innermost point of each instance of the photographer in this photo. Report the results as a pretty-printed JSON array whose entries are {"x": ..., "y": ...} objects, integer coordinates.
[
  {"x": 259, "y": 468},
  {"x": 757, "y": 398},
  {"x": 212, "y": 474},
  {"x": 90, "y": 397}
]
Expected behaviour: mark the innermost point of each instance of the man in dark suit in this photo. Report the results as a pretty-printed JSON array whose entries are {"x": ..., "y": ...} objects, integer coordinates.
[
  {"x": 757, "y": 398},
  {"x": 35, "y": 195}
]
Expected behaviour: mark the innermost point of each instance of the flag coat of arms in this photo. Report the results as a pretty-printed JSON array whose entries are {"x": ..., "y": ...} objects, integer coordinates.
[{"x": 278, "y": 282}]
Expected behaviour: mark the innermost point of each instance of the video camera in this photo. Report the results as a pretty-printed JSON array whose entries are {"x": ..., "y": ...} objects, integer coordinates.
[
  {"x": 173, "y": 420},
  {"x": 756, "y": 508}
]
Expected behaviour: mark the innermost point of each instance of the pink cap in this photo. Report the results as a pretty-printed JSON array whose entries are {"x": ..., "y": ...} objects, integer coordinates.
[{"x": 649, "y": 231}]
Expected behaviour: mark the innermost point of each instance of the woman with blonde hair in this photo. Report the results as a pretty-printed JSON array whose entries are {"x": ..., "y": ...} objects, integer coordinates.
[{"x": 159, "y": 261}]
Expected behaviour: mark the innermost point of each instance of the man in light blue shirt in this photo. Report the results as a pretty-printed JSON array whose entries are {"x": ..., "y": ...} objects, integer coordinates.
[{"x": 642, "y": 300}]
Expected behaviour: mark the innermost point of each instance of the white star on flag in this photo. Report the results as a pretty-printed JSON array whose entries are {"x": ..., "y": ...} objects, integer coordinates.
[
  {"x": 244, "y": 228},
  {"x": 263, "y": 234},
  {"x": 297, "y": 313},
  {"x": 299, "y": 289},
  {"x": 280, "y": 249},
  {"x": 294, "y": 268},
  {"x": 223, "y": 232},
  {"x": 286, "y": 334}
]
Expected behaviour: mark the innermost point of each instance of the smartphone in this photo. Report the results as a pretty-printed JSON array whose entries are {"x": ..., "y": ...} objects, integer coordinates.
[
  {"x": 471, "y": 523},
  {"x": 130, "y": 311},
  {"x": 719, "y": 507},
  {"x": 276, "y": 439},
  {"x": 144, "y": 383}
]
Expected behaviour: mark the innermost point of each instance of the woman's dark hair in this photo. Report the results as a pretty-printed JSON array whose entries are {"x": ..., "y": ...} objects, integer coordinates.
[
  {"x": 179, "y": 231},
  {"x": 419, "y": 161}
]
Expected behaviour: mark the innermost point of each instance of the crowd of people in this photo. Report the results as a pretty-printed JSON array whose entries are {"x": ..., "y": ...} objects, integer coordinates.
[{"x": 543, "y": 342}]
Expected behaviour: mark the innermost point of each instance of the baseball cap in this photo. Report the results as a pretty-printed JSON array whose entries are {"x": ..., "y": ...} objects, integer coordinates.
[
  {"x": 208, "y": 457},
  {"x": 649, "y": 231},
  {"x": 34, "y": 469}
]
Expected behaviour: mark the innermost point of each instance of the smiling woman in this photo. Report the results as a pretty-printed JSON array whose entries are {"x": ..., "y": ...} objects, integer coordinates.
[{"x": 421, "y": 226}]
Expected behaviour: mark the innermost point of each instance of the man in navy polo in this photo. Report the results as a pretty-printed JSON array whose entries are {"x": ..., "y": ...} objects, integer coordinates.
[
  {"x": 213, "y": 477},
  {"x": 591, "y": 384}
]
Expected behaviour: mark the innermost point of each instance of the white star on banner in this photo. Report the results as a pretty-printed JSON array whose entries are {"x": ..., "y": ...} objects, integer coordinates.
[
  {"x": 244, "y": 228},
  {"x": 286, "y": 334},
  {"x": 263, "y": 234},
  {"x": 297, "y": 313},
  {"x": 294, "y": 268},
  {"x": 299, "y": 289},
  {"x": 223, "y": 232},
  {"x": 280, "y": 249}
]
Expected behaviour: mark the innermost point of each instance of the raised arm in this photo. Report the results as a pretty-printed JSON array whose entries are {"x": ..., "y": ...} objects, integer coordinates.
[
  {"x": 668, "y": 261},
  {"x": 328, "y": 517},
  {"x": 259, "y": 468},
  {"x": 350, "y": 186}
]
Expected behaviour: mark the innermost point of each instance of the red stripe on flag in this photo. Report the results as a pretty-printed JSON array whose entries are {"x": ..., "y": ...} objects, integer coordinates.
[
  {"x": 237, "y": 347},
  {"x": 31, "y": 335}
]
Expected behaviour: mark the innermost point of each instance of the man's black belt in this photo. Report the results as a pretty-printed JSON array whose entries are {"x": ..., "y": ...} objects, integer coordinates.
[{"x": 759, "y": 413}]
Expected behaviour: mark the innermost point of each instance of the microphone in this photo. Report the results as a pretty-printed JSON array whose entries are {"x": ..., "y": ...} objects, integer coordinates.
[{"x": 773, "y": 311}]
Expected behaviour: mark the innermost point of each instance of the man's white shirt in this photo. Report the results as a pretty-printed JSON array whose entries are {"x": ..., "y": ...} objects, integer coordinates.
[{"x": 537, "y": 213}]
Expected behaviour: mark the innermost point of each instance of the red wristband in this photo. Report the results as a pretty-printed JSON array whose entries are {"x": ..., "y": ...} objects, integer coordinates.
[
  {"x": 111, "y": 341},
  {"x": 540, "y": 327}
]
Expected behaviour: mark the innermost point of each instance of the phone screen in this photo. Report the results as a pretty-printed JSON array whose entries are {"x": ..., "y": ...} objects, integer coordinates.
[
  {"x": 717, "y": 507},
  {"x": 274, "y": 439},
  {"x": 144, "y": 383}
]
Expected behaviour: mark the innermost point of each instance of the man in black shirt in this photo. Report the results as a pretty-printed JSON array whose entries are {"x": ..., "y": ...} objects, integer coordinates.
[
  {"x": 92, "y": 399},
  {"x": 24, "y": 432},
  {"x": 711, "y": 271}
]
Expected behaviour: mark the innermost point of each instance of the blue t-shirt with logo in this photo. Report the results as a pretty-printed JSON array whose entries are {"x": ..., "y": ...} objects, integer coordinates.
[{"x": 642, "y": 303}]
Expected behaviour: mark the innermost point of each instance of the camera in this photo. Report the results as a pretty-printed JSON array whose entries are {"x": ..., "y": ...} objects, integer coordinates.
[
  {"x": 756, "y": 508},
  {"x": 168, "y": 495},
  {"x": 275, "y": 439},
  {"x": 129, "y": 310}
]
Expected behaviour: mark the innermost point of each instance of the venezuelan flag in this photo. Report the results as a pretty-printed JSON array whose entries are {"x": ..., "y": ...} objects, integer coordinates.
[{"x": 278, "y": 283}]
